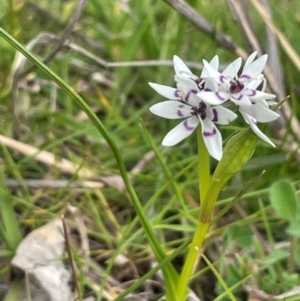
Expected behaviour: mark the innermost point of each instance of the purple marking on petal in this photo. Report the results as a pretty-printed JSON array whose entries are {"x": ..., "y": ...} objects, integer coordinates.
[
  {"x": 209, "y": 134},
  {"x": 244, "y": 76},
  {"x": 179, "y": 113},
  {"x": 177, "y": 93},
  {"x": 215, "y": 113},
  {"x": 237, "y": 98},
  {"x": 220, "y": 97},
  {"x": 252, "y": 92},
  {"x": 187, "y": 96},
  {"x": 222, "y": 79},
  {"x": 189, "y": 93},
  {"x": 207, "y": 90},
  {"x": 186, "y": 125}
]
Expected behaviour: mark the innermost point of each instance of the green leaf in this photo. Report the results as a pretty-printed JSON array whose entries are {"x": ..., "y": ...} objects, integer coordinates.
[
  {"x": 284, "y": 200},
  {"x": 294, "y": 228},
  {"x": 237, "y": 152},
  {"x": 242, "y": 236},
  {"x": 275, "y": 256}
]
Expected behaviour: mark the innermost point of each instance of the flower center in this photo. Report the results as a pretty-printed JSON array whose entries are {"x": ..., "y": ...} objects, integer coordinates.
[
  {"x": 200, "y": 83},
  {"x": 200, "y": 110},
  {"x": 236, "y": 86}
]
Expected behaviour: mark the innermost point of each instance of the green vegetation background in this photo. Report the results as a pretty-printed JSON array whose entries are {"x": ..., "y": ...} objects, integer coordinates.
[{"x": 47, "y": 118}]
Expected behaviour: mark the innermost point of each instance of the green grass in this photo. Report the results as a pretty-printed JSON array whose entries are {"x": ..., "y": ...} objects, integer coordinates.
[{"x": 242, "y": 244}]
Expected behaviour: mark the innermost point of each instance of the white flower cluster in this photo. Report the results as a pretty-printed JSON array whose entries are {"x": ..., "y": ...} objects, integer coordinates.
[{"x": 200, "y": 99}]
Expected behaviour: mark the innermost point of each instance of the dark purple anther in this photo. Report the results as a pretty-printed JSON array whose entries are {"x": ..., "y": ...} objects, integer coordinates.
[
  {"x": 200, "y": 111},
  {"x": 236, "y": 87},
  {"x": 200, "y": 83}
]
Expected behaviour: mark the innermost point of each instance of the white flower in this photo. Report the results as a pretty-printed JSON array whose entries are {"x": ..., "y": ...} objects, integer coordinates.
[
  {"x": 184, "y": 103},
  {"x": 238, "y": 89},
  {"x": 258, "y": 111},
  {"x": 243, "y": 91}
]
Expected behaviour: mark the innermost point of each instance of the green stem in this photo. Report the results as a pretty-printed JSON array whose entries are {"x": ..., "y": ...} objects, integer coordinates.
[
  {"x": 202, "y": 227},
  {"x": 169, "y": 271},
  {"x": 191, "y": 259},
  {"x": 203, "y": 166},
  {"x": 291, "y": 259}
]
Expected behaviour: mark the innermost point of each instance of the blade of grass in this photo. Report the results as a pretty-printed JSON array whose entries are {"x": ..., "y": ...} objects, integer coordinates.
[
  {"x": 165, "y": 167},
  {"x": 10, "y": 230},
  {"x": 168, "y": 270},
  {"x": 219, "y": 277}
]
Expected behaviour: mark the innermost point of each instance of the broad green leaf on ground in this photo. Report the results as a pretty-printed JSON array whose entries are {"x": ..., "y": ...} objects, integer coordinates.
[
  {"x": 242, "y": 236},
  {"x": 283, "y": 199},
  {"x": 294, "y": 228},
  {"x": 275, "y": 256}
]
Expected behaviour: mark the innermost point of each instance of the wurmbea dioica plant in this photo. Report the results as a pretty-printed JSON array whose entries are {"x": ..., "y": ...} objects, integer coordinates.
[
  {"x": 200, "y": 101},
  {"x": 184, "y": 102}
]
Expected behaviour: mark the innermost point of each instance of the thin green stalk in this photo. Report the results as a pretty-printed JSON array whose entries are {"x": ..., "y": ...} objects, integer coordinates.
[
  {"x": 291, "y": 259},
  {"x": 169, "y": 271},
  {"x": 202, "y": 227},
  {"x": 237, "y": 152},
  {"x": 165, "y": 168},
  {"x": 191, "y": 259},
  {"x": 203, "y": 166},
  {"x": 9, "y": 226}
]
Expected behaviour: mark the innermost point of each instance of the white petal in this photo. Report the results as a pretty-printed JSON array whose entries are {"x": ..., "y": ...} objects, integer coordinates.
[
  {"x": 212, "y": 139},
  {"x": 240, "y": 99},
  {"x": 188, "y": 89},
  {"x": 180, "y": 67},
  {"x": 254, "y": 69},
  {"x": 171, "y": 109},
  {"x": 181, "y": 131},
  {"x": 214, "y": 98},
  {"x": 255, "y": 82},
  {"x": 249, "y": 60},
  {"x": 166, "y": 91},
  {"x": 255, "y": 94},
  {"x": 232, "y": 69},
  {"x": 210, "y": 85},
  {"x": 212, "y": 72},
  {"x": 251, "y": 121},
  {"x": 193, "y": 99},
  {"x": 220, "y": 115},
  {"x": 259, "y": 112},
  {"x": 214, "y": 63}
]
